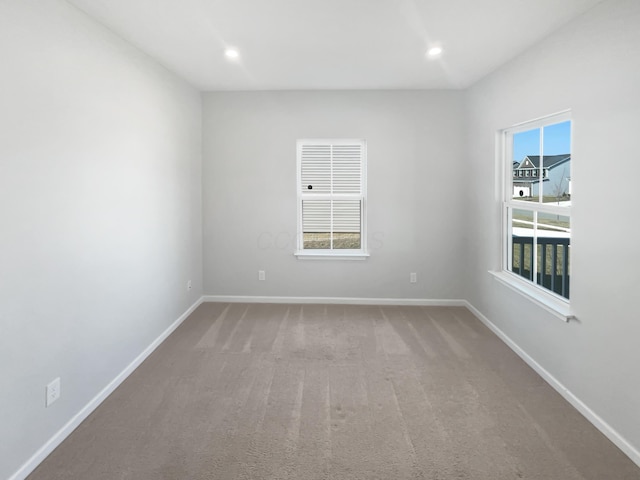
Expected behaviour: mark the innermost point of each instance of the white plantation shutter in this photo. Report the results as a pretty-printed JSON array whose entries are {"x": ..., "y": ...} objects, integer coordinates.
[
  {"x": 331, "y": 192},
  {"x": 315, "y": 169},
  {"x": 346, "y": 216},
  {"x": 316, "y": 215},
  {"x": 347, "y": 168}
]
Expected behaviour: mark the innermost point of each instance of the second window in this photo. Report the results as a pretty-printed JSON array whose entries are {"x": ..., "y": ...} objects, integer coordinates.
[{"x": 331, "y": 196}]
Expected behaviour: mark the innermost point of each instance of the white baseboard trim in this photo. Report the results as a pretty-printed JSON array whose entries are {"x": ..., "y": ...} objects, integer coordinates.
[
  {"x": 578, "y": 404},
  {"x": 336, "y": 300},
  {"x": 37, "y": 458}
]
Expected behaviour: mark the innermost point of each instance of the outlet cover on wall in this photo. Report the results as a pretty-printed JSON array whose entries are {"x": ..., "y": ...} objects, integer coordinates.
[
  {"x": 189, "y": 285},
  {"x": 52, "y": 392},
  {"x": 261, "y": 275},
  {"x": 413, "y": 277}
]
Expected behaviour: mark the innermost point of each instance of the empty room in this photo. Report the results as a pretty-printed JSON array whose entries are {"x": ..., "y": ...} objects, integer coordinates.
[{"x": 338, "y": 239}]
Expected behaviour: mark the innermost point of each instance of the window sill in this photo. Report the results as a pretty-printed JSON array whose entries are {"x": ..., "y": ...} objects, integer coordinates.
[
  {"x": 306, "y": 255},
  {"x": 552, "y": 304}
]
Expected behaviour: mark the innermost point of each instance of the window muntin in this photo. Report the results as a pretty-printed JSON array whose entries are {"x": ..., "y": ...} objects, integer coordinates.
[
  {"x": 331, "y": 196},
  {"x": 537, "y": 216}
]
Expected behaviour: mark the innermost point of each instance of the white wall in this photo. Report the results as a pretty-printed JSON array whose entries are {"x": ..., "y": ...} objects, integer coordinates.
[
  {"x": 415, "y": 168},
  {"x": 591, "y": 66},
  {"x": 100, "y": 213}
]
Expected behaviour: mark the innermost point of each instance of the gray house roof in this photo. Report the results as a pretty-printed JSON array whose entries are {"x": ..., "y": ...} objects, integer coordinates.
[{"x": 549, "y": 161}]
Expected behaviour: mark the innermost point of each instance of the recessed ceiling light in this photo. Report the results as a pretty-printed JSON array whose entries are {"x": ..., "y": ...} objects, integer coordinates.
[
  {"x": 434, "y": 51},
  {"x": 231, "y": 53}
]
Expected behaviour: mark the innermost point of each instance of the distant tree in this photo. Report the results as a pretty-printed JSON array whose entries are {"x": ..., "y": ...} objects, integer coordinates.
[{"x": 558, "y": 189}]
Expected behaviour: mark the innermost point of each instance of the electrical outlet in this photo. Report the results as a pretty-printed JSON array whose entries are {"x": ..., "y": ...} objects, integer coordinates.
[
  {"x": 52, "y": 392},
  {"x": 189, "y": 285},
  {"x": 413, "y": 277},
  {"x": 261, "y": 275}
]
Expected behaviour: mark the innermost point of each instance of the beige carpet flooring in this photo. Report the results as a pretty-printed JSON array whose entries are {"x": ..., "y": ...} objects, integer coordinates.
[{"x": 335, "y": 392}]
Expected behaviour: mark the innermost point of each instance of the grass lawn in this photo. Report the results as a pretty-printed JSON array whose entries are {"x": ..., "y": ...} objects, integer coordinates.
[{"x": 322, "y": 240}]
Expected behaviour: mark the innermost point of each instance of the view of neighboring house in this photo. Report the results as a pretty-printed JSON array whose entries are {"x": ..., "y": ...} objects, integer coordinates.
[{"x": 556, "y": 176}]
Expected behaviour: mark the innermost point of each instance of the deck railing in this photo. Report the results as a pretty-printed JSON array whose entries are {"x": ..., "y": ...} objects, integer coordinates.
[{"x": 553, "y": 262}]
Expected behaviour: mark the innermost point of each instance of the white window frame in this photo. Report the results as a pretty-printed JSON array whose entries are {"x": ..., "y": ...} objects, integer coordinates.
[
  {"x": 332, "y": 254},
  {"x": 550, "y": 301}
]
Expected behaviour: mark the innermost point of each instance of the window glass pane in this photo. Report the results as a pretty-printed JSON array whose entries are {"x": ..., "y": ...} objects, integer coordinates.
[
  {"x": 316, "y": 224},
  {"x": 346, "y": 224},
  {"x": 521, "y": 241},
  {"x": 526, "y": 156},
  {"x": 553, "y": 247},
  {"x": 557, "y": 163}
]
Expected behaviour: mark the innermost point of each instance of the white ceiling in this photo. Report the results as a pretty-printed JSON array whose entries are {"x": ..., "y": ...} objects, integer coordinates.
[{"x": 332, "y": 44}]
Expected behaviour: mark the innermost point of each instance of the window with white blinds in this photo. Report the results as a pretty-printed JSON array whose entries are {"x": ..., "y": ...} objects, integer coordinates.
[{"x": 331, "y": 196}]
